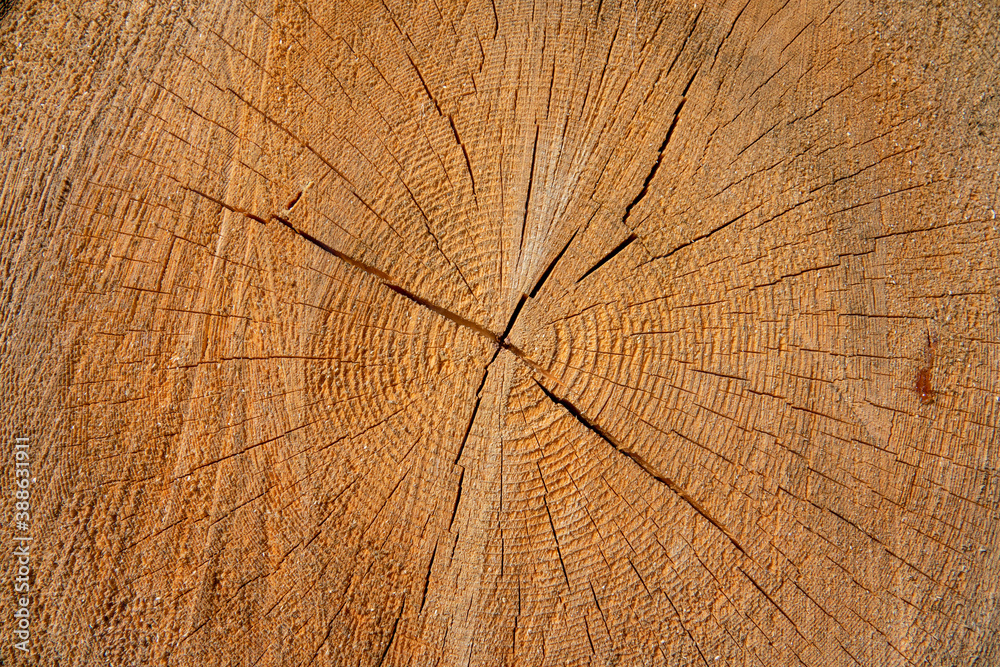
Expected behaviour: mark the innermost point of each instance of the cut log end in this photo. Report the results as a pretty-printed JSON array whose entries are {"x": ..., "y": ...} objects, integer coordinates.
[{"x": 486, "y": 332}]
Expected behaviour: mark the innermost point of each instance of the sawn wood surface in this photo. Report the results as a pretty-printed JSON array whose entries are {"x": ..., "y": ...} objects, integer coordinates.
[{"x": 430, "y": 332}]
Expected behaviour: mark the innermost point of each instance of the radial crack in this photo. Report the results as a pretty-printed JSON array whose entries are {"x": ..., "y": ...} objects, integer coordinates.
[
  {"x": 611, "y": 255},
  {"x": 638, "y": 460},
  {"x": 500, "y": 341},
  {"x": 656, "y": 164},
  {"x": 461, "y": 144},
  {"x": 367, "y": 268},
  {"x": 427, "y": 582},
  {"x": 513, "y": 319},
  {"x": 531, "y": 180},
  {"x": 444, "y": 312},
  {"x": 472, "y": 419},
  {"x": 685, "y": 628},
  {"x": 458, "y": 499},
  {"x": 555, "y": 536},
  {"x": 704, "y": 236},
  {"x": 424, "y": 84},
  {"x": 548, "y": 271},
  {"x": 387, "y": 280},
  {"x": 392, "y": 635}
]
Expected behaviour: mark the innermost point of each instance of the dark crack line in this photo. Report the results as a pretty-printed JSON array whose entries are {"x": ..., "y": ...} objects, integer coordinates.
[
  {"x": 527, "y": 198},
  {"x": 513, "y": 319},
  {"x": 638, "y": 460},
  {"x": 468, "y": 162},
  {"x": 730, "y": 32},
  {"x": 685, "y": 627},
  {"x": 611, "y": 255},
  {"x": 358, "y": 264},
  {"x": 604, "y": 619},
  {"x": 590, "y": 640},
  {"x": 555, "y": 536},
  {"x": 479, "y": 398},
  {"x": 774, "y": 603},
  {"x": 552, "y": 265},
  {"x": 392, "y": 635},
  {"x": 639, "y": 577},
  {"x": 427, "y": 581},
  {"x": 385, "y": 503},
  {"x": 693, "y": 76},
  {"x": 704, "y": 236},
  {"x": 468, "y": 431},
  {"x": 228, "y": 207},
  {"x": 444, "y": 312},
  {"x": 451, "y": 122},
  {"x": 656, "y": 164},
  {"x": 458, "y": 499},
  {"x": 387, "y": 280},
  {"x": 434, "y": 238},
  {"x": 424, "y": 84},
  {"x": 472, "y": 419},
  {"x": 500, "y": 341}
]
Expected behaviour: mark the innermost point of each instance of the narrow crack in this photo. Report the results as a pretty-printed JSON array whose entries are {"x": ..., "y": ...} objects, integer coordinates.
[
  {"x": 423, "y": 83},
  {"x": 472, "y": 419},
  {"x": 367, "y": 268},
  {"x": 392, "y": 634},
  {"x": 638, "y": 460},
  {"x": 656, "y": 164},
  {"x": 527, "y": 198},
  {"x": 427, "y": 581},
  {"x": 387, "y": 280},
  {"x": 611, "y": 255},
  {"x": 444, "y": 312},
  {"x": 512, "y": 320},
  {"x": 468, "y": 162},
  {"x": 458, "y": 499},
  {"x": 500, "y": 341},
  {"x": 702, "y": 237},
  {"x": 555, "y": 536},
  {"x": 548, "y": 271}
]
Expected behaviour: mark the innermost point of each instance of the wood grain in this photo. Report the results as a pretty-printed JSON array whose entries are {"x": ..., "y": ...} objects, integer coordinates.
[{"x": 368, "y": 332}]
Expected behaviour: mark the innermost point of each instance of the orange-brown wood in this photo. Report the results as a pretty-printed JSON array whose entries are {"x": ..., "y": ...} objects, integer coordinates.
[{"x": 370, "y": 332}]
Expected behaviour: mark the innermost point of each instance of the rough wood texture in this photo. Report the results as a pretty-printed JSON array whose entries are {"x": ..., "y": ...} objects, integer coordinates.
[{"x": 503, "y": 333}]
